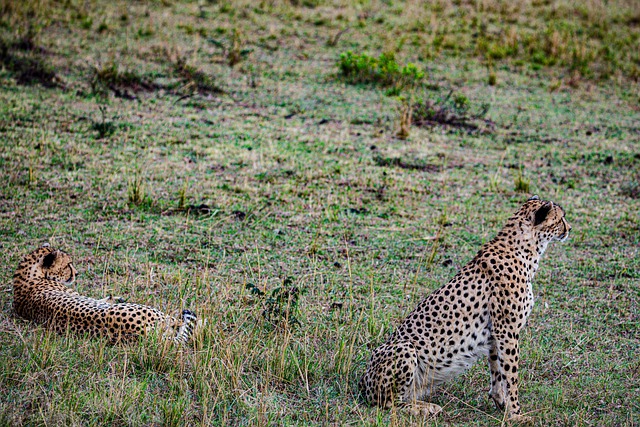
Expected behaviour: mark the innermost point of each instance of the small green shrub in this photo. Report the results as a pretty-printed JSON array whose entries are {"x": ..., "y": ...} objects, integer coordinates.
[
  {"x": 136, "y": 191},
  {"x": 384, "y": 71},
  {"x": 236, "y": 51},
  {"x": 86, "y": 23},
  {"x": 103, "y": 27},
  {"x": 631, "y": 187},
  {"x": 110, "y": 76},
  {"x": 522, "y": 184},
  {"x": 145, "y": 32},
  {"x": 105, "y": 127},
  {"x": 196, "y": 77},
  {"x": 280, "y": 306},
  {"x": 404, "y": 112}
]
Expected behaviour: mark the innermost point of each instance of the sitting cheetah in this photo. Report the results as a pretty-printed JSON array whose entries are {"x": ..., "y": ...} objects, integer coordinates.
[
  {"x": 40, "y": 294},
  {"x": 479, "y": 312}
]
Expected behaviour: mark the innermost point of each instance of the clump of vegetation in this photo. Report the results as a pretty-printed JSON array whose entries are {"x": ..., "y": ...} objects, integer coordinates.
[
  {"x": 105, "y": 126},
  {"x": 195, "y": 77},
  {"x": 587, "y": 48},
  {"x": 522, "y": 184},
  {"x": 405, "y": 119},
  {"x": 182, "y": 195},
  {"x": 136, "y": 191},
  {"x": 384, "y": 71},
  {"x": 631, "y": 187},
  {"x": 280, "y": 306},
  {"x": 111, "y": 77},
  {"x": 453, "y": 110},
  {"x": 236, "y": 51},
  {"x": 405, "y": 163}
]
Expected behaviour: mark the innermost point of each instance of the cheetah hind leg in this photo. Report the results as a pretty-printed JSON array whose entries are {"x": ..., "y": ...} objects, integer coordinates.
[{"x": 402, "y": 386}]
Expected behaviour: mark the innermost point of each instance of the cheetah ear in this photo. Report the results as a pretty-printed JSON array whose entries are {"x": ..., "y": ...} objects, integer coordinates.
[
  {"x": 49, "y": 259},
  {"x": 541, "y": 213}
]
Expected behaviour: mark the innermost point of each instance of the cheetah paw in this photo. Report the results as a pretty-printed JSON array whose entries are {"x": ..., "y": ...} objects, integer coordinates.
[
  {"x": 112, "y": 300},
  {"x": 423, "y": 409},
  {"x": 498, "y": 399},
  {"x": 521, "y": 419}
]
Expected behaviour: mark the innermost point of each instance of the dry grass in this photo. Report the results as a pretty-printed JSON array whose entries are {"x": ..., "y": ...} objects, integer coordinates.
[{"x": 292, "y": 176}]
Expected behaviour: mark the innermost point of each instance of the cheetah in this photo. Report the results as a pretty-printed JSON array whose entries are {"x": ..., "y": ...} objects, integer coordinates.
[
  {"x": 40, "y": 294},
  {"x": 480, "y": 312}
]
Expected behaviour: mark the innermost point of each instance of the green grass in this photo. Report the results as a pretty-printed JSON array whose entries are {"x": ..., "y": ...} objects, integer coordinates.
[{"x": 233, "y": 153}]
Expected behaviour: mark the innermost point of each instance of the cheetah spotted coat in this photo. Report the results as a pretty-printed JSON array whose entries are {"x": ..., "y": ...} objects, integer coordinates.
[
  {"x": 40, "y": 294},
  {"x": 480, "y": 312}
]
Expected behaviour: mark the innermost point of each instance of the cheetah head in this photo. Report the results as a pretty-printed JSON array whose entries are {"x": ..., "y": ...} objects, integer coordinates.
[
  {"x": 57, "y": 266},
  {"x": 547, "y": 219}
]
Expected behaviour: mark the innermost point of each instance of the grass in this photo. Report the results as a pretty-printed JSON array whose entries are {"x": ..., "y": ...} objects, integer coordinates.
[
  {"x": 182, "y": 194},
  {"x": 384, "y": 70}
]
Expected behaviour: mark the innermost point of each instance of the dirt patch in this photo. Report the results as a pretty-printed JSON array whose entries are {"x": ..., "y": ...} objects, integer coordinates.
[
  {"x": 453, "y": 111},
  {"x": 405, "y": 164}
]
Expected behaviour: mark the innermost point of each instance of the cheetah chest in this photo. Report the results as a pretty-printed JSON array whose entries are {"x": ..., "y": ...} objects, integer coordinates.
[{"x": 447, "y": 357}]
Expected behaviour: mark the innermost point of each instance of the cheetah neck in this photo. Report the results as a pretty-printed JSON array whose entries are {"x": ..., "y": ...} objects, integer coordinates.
[
  {"x": 30, "y": 269},
  {"x": 524, "y": 246}
]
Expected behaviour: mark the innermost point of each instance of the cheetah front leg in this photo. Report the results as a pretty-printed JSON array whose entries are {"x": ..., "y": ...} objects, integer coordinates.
[
  {"x": 497, "y": 391},
  {"x": 507, "y": 352}
]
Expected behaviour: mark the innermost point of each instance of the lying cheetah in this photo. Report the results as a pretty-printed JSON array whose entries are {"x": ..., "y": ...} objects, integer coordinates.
[
  {"x": 479, "y": 312},
  {"x": 40, "y": 294}
]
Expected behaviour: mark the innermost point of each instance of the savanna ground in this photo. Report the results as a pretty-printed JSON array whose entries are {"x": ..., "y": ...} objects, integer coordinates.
[{"x": 201, "y": 154}]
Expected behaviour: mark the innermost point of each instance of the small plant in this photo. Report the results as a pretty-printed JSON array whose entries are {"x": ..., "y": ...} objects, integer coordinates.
[
  {"x": 102, "y": 27},
  {"x": 492, "y": 78},
  {"x": 234, "y": 49},
  {"x": 631, "y": 187},
  {"x": 494, "y": 183},
  {"x": 182, "y": 195},
  {"x": 280, "y": 305},
  {"x": 111, "y": 77},
  {"x": 384, "y": 71},
  {"x": 86, "y": 23},
  {"x": 32, "y": 175},
  {"x": 194, "y": 77},
  {"x": 136, "y": 190},
  {"x": 104, "y": 126},
  {"x": 236, "y": 52},
  {"x": 405, "y": 118},
  {"x": 522, "y": 184},
  {"x": 333, "y": 41},
  {"x": 145, "y": 32}
]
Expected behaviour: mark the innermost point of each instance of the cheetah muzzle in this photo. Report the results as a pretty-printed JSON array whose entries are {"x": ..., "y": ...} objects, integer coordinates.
[
  {"x": 480, "y": 312},
  {"x": 40, "y": 294}
]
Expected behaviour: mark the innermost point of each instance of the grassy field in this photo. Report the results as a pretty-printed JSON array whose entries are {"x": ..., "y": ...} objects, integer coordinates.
[{"x": 216, "y": 156}]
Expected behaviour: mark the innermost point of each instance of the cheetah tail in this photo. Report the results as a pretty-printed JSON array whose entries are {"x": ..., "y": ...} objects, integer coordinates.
[{"x": 186, "y": 329}]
